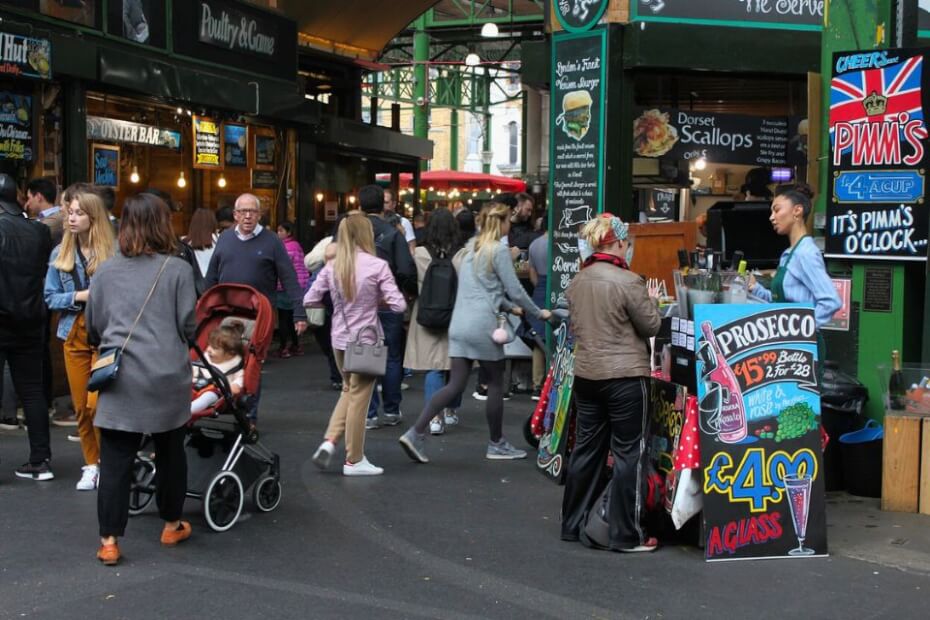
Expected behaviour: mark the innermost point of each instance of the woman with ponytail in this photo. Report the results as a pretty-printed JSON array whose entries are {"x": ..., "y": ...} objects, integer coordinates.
[
  {"x": 612, "y": 318},
  {"x": 488, "y": 285}
]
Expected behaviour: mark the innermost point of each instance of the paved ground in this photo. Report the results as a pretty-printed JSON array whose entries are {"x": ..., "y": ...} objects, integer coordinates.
[{"x": 461, "y": 537}]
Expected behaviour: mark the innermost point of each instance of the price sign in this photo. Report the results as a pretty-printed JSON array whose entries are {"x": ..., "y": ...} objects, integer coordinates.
[{"x": 759, "y": 408}]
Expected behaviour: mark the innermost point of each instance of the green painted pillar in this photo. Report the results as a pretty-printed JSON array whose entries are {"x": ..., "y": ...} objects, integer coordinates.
[
  {"x": 454, "y": 139},
  {"x": 850, "y": 26},
  {"x": 486, "y": 111},
  {"x": 420, "y": 85}
]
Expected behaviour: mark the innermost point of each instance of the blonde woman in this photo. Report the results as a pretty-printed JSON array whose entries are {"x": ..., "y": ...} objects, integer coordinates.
[
  {"x": 358, "y": 283},
  {"x": 488, "y": 285},
  {"x": 86, "y": 244},
  {"x": 612, "y": 319}
]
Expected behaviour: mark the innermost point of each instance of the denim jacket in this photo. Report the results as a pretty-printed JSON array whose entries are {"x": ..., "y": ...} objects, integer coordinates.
[{"x": 60, "y": 287}]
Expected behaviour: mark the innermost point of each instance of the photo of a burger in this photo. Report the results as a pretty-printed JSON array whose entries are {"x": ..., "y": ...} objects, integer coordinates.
[{"x": 575, "y": 118}]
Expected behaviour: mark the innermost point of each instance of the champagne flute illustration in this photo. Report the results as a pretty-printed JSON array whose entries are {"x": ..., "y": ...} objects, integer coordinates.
[{"x": 798, "y": 490}]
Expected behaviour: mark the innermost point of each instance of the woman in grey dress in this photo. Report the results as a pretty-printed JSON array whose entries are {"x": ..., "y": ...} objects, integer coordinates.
[
  {"x": 148, "y": 293},
  {"x": 488, "y": 285}
]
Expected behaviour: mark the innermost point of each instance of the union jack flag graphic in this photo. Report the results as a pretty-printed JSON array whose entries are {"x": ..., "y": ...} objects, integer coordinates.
[{"x": 899, "y": 84}]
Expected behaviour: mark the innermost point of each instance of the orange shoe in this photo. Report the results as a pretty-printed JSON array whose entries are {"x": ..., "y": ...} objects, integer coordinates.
[
  {"x": 170, "y": 537},
  {"x": 108, "y": 554}
]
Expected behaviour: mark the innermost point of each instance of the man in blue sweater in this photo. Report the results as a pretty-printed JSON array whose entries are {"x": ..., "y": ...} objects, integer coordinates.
[{"x": 251, "y": 254}]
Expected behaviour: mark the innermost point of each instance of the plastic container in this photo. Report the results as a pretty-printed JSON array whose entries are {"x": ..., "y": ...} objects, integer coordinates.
[
  {"x": 862, "y": 460},
  {"x": 916, "y": 400}
]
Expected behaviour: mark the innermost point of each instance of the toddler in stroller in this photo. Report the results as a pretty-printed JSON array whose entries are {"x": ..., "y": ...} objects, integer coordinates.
[{"x": 224, "y": 455}]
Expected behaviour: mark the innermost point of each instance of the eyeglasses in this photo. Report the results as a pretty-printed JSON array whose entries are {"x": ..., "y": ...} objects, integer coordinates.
[{"x": 248, "y": 212}]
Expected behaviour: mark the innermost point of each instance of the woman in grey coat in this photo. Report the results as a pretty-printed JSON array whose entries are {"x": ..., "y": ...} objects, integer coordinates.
[
  {"x": 148, "y": 293},
  {"x": 488, "y": 285}
]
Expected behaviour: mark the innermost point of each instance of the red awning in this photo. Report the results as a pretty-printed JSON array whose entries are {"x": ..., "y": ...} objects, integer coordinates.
[{"x": 462, "y": 181}]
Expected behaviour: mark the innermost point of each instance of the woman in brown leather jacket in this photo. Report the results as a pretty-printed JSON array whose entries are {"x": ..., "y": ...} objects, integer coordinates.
[{"x": 612, "y": 318}]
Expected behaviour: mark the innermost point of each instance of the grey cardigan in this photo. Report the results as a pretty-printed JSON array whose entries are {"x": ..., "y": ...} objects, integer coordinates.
[
  {"x": 482, "y": 290},
  {"x": 152, "y": 393}
]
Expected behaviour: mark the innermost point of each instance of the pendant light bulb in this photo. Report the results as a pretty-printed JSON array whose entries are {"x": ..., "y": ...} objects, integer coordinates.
[
  {"x": 134, "y": 177},
  {"x": 472, "y": 60},
  {"x": 221, "y": 181},
  {"x": 319, "y": 197},
  {"x": 182, "y": 182},
  {"x": 489, "y": 30}
]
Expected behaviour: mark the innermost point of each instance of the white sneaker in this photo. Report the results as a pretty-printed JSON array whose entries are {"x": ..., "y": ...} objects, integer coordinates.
[
  {"x": 74, "y": 437},
  {"x": 324, "y": 454},
  {"x": 449, "y": 417},
  {"x": 89, "y": 478},
  {"x": 362, "y": 468},
  {"x": 437, "y": 426}
]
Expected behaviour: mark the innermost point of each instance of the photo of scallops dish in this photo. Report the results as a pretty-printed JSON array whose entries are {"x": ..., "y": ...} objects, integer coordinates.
[{"x": 652, "y": 134}]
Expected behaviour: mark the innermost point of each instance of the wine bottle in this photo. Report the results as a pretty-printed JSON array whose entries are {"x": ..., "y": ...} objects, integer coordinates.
[
  {"x": 896, "y": 383},
  {"x": 732, "y": 414}
]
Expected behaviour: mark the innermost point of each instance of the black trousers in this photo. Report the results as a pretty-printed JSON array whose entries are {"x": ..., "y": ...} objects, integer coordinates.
[
  {"x": 286, "y": 331},
  {"x": 117, "y": 452},
  {"x": 23, "y": 352},
  {"x": 613, "y": 415}
]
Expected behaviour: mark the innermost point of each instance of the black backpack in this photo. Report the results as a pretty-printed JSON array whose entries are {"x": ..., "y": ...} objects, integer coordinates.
[{"x": 437, "y": 297}]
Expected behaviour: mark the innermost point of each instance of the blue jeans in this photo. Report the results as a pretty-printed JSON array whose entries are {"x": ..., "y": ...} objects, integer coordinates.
[
  {"x": 436, "y": 380},
  {"x": 393, "y": 325}
]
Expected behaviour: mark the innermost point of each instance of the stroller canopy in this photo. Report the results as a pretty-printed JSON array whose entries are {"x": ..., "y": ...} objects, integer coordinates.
[{"x": 239, "y": 300}]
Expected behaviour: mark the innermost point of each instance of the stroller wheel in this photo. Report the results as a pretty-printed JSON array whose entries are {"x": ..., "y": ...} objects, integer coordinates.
[
  {"x": 223, "y": 501},
  {"x": 531, "y": 439},
  {"x": 266, "y": 494},
  {"x": 142, "y": 488}
]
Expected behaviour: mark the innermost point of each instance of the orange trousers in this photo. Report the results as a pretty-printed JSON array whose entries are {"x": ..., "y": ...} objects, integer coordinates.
[{"x": 79, "y": 358}]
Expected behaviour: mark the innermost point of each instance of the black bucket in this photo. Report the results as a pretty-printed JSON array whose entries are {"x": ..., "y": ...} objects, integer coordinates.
[{"x": 862, "y": 460}]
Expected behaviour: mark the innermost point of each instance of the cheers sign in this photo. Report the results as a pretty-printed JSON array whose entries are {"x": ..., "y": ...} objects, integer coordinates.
[{"x": 234, "y": 30}]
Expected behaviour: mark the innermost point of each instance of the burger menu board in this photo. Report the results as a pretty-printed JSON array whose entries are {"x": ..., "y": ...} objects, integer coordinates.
[
  {"x": 876, "y": 202},
  {"x": 577, "y": 148},
  {"x": 718, "y": 138}
]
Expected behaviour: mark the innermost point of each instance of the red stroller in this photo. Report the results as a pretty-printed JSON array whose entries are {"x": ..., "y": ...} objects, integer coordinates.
[{"x": 224, "y": 455}]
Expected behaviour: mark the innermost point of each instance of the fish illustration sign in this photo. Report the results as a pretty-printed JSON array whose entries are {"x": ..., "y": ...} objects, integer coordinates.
[
  {"x": 577, "y": 146},
  {"x": 759, "y": 408},
  {"x": 876, "y": 203}
]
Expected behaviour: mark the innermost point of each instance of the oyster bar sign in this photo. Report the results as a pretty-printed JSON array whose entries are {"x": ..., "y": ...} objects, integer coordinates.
[{"x": 233, "y": 30}]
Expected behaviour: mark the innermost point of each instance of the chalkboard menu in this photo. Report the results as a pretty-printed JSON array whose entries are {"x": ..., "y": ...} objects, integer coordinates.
[
  {"x": 793, "y": 14},
  {"x": 577, "y": 148},
  {"x": 878, "y": 291},
  {"x": 718, "y": 138},
  {"x": 876, "y": 200},
  {"x": 208, "y": 143},
  {"x": 759, "y": 409},
  {"x": 15, "y": 127}
]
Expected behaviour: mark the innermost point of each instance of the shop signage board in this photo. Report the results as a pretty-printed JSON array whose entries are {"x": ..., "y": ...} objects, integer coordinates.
[
  {"x": 660, "y": 205},
  {"x": 15, "y": 127},
  {"x": 923, "y": 19},
  {"x": 264, "y": 179},
  {"x": 236, "y": 139},
  {"x": 25, "y": 56},
  {"x": 876, "y": 201},
  {"x": 104, "y": 161},
  {"x": 718, "y": 138},
  {"x": 759, "y": 408},
  {"x": 579, "y": 15},
  {"x": 208, "y": 143},
  {"x": 236, "y": 34},
  {"x": 782, "y": 14},
  {"x": 115, "y": 130},
  {"x": 579, "y": 81}
]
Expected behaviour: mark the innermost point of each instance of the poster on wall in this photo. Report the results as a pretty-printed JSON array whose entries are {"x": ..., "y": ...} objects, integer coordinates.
[
  {"x": 264, "y": 145},
  {"x": 139, "y": 21},
  {"x": 876, "y": 202},
  {"x": 791, "y": 14},
  {"x": 840, "y": 320},
  {"x": 104, "y": 159},
  {"x": 208, "y": 143},
  {"x": 235, "y": 139},
  {"x": 83, "y": 12},
  {"x": 717, "y": 138},
  {"x": 576, "y": 148},
  {"x": 15, "y": 127},
  {"x": 759, "y": 413},
  {"x": 659, "y": 205},
  {"x": 25, "y": 56}
]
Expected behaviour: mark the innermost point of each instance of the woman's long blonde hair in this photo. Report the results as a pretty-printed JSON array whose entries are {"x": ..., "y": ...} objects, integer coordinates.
[
  {"x": 355, "y": 233},
  {"x": 100, "y": 238},
  {"x": 490, "y": 220}
]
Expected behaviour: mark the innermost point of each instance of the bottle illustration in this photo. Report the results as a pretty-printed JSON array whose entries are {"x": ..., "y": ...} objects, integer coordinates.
[
  {"x": 896, "y": 383},
  {"x": 732, "y": 414}
]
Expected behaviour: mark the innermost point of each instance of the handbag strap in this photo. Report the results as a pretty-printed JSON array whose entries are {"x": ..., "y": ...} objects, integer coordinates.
[
  {"x": 340, "y": 301},
  {"x": 144, "y": 304}
]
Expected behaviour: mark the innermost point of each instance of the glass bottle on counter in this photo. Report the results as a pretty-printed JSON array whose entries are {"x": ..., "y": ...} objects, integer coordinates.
[
  {"x": 896, "y": 388},
  {"x": 739, "y": 288}
]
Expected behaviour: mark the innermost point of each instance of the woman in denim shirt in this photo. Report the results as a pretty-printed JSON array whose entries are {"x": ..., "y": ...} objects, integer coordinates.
[{"x": 87, "y": 243}]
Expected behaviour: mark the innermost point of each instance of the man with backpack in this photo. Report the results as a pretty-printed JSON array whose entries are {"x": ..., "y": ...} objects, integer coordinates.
[{"x": 393, "y": 248}]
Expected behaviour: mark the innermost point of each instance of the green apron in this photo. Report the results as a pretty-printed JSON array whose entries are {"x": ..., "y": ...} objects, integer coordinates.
[{"x": 778, "y": 296}]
